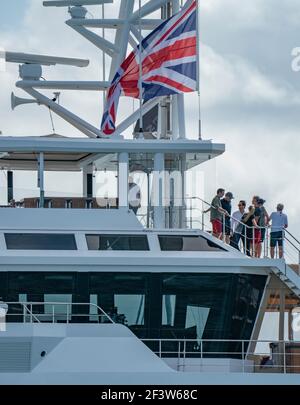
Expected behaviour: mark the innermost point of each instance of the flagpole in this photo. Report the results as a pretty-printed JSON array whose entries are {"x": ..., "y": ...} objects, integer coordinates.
[
  {"x": 140, "y": 71},
  {"x": 103, "y": 58},
  {"x": 198, "y": 66}
]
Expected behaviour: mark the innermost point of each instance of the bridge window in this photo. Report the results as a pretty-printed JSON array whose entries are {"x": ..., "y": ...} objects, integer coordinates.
[
  {"x": 121, "y": 296},
  {"x": 57, "y": 307},
  {"x": 40, "y": 241},
  {"x": 187, "y": 244},
  {"x": 117, "y": 242}
]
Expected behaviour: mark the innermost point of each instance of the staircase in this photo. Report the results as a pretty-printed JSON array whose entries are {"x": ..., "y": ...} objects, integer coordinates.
[{"x": 289, "y": 275}]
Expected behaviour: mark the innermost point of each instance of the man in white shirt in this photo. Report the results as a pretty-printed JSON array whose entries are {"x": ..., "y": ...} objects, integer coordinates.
[
  {"x": 237, "y": 215},
  {"x": 279, "y": 223}
]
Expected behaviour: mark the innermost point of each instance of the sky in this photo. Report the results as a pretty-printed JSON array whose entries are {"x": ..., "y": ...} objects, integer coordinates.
[{"x": 250, "y": 96}]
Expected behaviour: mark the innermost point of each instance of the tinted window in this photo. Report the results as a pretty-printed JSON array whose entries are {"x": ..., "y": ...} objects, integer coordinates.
[
  {"x": 40, "y": 241},
  {"x": 188, "y": 243},
  {"x": 36, "y": 284},
  {"x": 117, "y": 242},
  {"x": 153, "y": 305},
  {"x": 122, "y": 296}
]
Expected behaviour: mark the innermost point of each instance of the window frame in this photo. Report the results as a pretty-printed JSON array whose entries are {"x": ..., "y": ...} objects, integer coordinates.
[
  {"x": 216, "y": 246},
  {"x": 71, "y": 236},
  {"x": 117, "y": 235}
]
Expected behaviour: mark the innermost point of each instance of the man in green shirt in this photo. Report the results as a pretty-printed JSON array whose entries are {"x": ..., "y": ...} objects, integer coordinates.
[{"x": 217, "y": 213}]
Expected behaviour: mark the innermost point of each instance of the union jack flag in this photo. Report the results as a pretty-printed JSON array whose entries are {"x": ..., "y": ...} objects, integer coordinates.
[{"x": 169, "y": 64}]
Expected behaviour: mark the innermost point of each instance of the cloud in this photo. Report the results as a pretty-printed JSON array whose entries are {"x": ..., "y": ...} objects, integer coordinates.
[
  {"x": 43, "y": 31},
  {"x": 251, "y": 14},
  {"x": 231, "y": 79}
]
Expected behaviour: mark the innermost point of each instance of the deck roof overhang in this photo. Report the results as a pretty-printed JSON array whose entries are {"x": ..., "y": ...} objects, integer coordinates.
[{"x": 72, "y": 154}]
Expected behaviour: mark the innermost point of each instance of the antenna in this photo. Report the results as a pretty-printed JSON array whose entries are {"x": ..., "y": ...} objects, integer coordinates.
[
  {"x": 125, "y": 26},
  {"x": 68, "y": 3},
  {"x": 141, "y": 136},
  {"x": 17, "y": 57},
  {"x": 198, "y": 71},
  {"x": 56, "y": 96}
]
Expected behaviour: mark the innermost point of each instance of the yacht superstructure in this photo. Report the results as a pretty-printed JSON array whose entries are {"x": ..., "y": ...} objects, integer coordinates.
[{"x": 96, "y": 294}]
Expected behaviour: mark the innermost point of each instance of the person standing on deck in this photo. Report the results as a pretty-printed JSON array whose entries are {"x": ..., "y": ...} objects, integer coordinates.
[
  {"x": 264, "y": 220},
  {"x": 217, "y": 213},
  {"x": 226, "y": 222},
  {"x": 250, "y": 221},
  {"x": 259, "y": 218},
  {"x": 279, "y": 223},
  {"x": 237, "y": 215}
]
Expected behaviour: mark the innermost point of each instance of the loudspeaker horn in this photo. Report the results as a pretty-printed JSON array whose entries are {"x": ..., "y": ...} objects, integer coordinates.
[{"x": 15, "y": 101}]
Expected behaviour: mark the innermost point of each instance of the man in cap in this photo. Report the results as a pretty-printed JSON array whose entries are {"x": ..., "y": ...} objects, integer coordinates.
[
  {"x": 226, "y": 205},
  {"x": 3, "y": 312},
  {"x": 216, "y": 213}
]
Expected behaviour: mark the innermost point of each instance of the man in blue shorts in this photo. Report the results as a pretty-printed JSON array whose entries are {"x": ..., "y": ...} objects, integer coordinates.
[{"x": 279, "y": 223}]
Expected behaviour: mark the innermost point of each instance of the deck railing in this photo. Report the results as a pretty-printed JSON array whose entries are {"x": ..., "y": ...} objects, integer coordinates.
[
  {"x": 192, "y": 216},
  {"x": 258, "y": 356},
  {"x": 193, "y": 355},
  {"x": 54, "y": 312},
  {"x": 188, "y": 214},
  {"x": 196, "y": 219}
]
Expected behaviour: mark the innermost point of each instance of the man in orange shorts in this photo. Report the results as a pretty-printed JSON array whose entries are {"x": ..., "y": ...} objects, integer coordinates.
[{"x": 216, "y": 213}]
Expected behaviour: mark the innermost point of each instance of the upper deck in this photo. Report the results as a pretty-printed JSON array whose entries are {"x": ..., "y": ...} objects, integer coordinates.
[
  {"x": 162, "y": 164},
  {"x": 111, "y": 240},
  {"x": 73, "y": 154}
]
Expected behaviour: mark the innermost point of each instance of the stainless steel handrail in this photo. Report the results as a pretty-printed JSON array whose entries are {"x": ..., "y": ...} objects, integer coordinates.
[
  {"x": 247, "y": 233},
  {"x": 247, "y": 227},
  {"x": 27, "y": 311},
  {"x": 278, "y": 358},
  {"x": 295, "y": 239}
]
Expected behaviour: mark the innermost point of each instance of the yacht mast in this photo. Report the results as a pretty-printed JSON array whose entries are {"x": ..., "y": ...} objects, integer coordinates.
[{"x": 134, "y": 17}]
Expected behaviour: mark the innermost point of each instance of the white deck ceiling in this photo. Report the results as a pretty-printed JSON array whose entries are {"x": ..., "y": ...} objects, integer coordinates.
[{"x": 71, "y": 154}]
